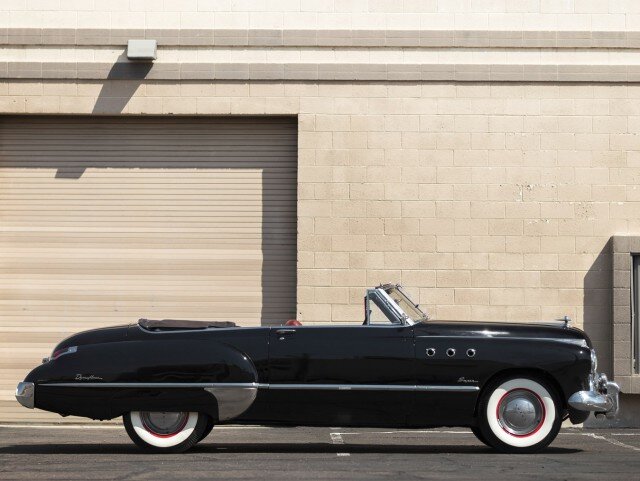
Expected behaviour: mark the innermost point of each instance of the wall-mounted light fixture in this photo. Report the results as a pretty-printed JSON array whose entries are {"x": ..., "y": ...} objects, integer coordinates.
[{"x": 142, "y": 50}]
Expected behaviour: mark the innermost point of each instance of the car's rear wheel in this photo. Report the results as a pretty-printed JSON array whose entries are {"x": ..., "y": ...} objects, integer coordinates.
[
  {"x": 207, "y": 429},
  {"x": 519, "y": 415},
  {"x": 165, "y": 432}
]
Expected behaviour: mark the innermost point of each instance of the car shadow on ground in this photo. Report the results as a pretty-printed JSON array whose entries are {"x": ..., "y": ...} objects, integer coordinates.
[
  {"x": 238, "y": 448},
  {"x": 356, "y": 448}
]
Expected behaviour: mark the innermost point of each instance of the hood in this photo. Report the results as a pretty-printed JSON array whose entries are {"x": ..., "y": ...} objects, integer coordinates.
[{"x": 537, "y": 330}]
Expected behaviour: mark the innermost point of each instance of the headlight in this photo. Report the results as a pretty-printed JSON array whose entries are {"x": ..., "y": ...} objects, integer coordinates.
[{"x": 594, "y": 361}]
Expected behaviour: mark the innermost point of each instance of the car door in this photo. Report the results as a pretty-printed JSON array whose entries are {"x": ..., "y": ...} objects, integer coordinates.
[{"x": 342, "y": 375}]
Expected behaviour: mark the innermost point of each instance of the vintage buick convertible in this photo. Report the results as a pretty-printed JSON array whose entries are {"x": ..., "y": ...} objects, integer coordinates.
[{"x": 172, "y": 381}]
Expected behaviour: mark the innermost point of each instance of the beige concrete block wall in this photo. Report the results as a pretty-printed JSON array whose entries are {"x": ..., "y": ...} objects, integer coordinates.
[
  {"x": 488, "y": 201},
  {"x": 316, "y": 14}
]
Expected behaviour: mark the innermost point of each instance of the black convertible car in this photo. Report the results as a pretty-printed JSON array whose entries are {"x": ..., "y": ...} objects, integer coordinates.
[{"x": 172, "y": 381}]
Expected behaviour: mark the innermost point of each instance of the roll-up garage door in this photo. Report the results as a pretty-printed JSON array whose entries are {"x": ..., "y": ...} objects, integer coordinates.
[{"x": 104, "y": 220}]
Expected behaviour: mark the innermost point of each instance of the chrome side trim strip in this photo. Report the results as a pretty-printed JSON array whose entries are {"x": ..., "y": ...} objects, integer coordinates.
[
  {"x": 342, "y": 387},
  {"x": 309, "y": 387},
  {"x": 371, "y": 387},
  {"x": 205, "y": 385},
  {"x": 448, "y": 388},
  {"x": 577, "y": 342}
]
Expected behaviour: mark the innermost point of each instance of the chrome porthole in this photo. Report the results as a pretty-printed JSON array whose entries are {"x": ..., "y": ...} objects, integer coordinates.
[
  {"x": 521, "y": 412},
  {"x": 471, "y": 352},
  {"x": 451, "y": 352},
  {"x": 431, "y": 352}
]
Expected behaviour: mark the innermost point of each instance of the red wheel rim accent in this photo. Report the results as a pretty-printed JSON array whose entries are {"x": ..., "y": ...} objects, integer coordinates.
[
  {"x": 542, "y": 419},
  {"x": 169, "y": 435}
]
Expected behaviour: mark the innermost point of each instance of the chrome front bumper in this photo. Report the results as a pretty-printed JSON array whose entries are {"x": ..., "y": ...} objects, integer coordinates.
[
  {"x": 602, "y": 399},
  {"x": 25, "y": 394}
]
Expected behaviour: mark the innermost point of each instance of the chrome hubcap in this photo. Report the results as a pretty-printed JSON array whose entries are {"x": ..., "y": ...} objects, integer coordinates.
[
  {"x": 164, "y": 424},
  {"x": 520, "y": 412}
]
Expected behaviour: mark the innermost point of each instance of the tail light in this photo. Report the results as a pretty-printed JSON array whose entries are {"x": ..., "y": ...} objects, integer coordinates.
[{"x": 61, "y": 352}]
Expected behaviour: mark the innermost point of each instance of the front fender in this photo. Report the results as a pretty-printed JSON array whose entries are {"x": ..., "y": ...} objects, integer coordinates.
[{"x": 567, "y": 365}]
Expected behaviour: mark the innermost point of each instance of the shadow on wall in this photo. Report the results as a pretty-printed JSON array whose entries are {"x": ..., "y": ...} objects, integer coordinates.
[
  {"x": 598, "y": 323},
  {"x": 114, "y": 97},
  {"x": 224, "y": 144},
  {"x": 597, "y": 305},
  {"x": 133, "y": 72}
]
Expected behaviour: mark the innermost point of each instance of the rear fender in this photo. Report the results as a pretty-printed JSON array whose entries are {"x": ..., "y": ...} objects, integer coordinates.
[{"x": 162, "y": 374}]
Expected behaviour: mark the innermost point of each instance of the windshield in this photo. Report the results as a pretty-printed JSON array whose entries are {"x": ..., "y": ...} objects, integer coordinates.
[{"x": 409, "y": 307}]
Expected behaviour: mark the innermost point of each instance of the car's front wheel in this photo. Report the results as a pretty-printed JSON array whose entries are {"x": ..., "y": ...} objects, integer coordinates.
[
  {"x": 519, "y": 415},
  {"x": 479, "y": 436},
  {"x": 165, "y": 432}
]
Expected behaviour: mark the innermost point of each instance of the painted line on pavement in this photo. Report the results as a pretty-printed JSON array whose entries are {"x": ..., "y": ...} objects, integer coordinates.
[
  {"x": 411, "y": 431},
  {"x": 336, "y": 438},
  {"x": 615, "y": 442},
  {"x": 58, "y": 426}
]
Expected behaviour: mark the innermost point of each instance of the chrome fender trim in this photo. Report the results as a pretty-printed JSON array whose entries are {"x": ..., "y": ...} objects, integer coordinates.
[{"x": 232, "y": 400}]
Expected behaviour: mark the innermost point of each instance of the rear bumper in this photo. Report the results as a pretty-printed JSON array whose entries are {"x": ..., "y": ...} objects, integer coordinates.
[
  {"x": 25, "y": 394},
  {"x": 601, "y": 399}
]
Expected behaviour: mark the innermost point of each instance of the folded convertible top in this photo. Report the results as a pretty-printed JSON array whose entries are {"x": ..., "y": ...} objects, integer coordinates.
[{"x": 177, "y": 324}]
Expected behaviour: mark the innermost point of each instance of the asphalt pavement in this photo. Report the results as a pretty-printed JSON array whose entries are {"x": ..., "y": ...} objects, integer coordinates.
[{"x": 258, "y": 453}]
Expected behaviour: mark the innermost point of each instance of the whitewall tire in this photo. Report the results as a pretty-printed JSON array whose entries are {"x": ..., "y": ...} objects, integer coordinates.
[
  {"x": 519, "y": 415},
  {"x": 478, "y": 434},
  {"x": 208, "y": 428},
  {"x": 170, "y": 432}
]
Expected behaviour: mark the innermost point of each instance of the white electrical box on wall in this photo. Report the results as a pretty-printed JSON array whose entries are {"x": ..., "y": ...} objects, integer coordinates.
[{"x": 142, "y": 49}]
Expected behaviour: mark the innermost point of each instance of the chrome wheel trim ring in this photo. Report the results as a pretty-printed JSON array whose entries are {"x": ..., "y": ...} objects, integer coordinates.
[
  {"x": 164, "y": 424},
  {"x": 520, "y": 412}
]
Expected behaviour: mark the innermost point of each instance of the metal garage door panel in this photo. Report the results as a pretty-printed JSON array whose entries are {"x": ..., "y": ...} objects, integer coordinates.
[{"x": 105, "y": 220}]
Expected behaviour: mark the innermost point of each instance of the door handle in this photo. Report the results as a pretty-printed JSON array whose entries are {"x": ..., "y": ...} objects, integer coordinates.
[
  {"x": 285, "y": 332},
  {"x": 282, "y": 333}
]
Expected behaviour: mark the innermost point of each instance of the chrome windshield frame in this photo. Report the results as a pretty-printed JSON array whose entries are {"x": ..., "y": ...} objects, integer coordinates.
[
  {"x": 387, "y": 305},
  {"x": 423, "y": 316}
]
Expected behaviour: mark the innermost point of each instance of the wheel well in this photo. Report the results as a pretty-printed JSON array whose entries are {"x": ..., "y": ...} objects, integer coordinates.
[{"x": 535, "y": 373}]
